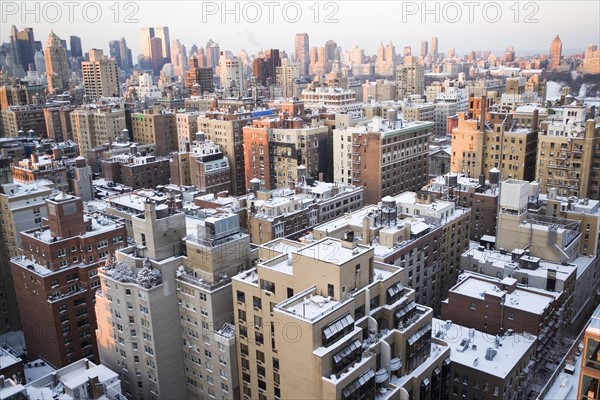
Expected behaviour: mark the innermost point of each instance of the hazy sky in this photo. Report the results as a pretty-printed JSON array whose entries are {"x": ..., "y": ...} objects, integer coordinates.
[{"x": 528, "y": 26}]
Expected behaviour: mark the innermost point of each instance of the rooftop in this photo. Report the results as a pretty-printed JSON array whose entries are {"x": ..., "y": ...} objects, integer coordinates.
[
  {"x": 470, "y": 348},
  {"x": 53, "y": 384},
  {"x": 7, "y": 359},
  {"x": 310, "y": 306},
  {"x": 100, "y": 223},
  {"x": 500, "y": 260},
  {"x": 15, "y": 190},
  {"x": 332, "y": 251},
  {"x": 388, "y": 128},
  {"x": 525, "y": 300}
]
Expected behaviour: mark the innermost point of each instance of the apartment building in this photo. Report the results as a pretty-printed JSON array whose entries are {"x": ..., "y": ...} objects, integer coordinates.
[
  {"x": 568, "y": 153},
  {"x": 176, "y": 275},
  {"x": 58, "y": 123},
  {"x": 345, "y": 318},
  {"x": 494, "y": 140},
  {"x": 96, "y": 125},
  {"x": 21, "y": 120},
  {"x": 291, "y": 213},
  {"x": 100, "y": 76},
  {"x": 137, "y": 171},
  {"x": 495, "y": 306},
  {"x": 56, "y": 277},
  {"x": 225, "y": 129},
  {"x": 479, "y": 195},
  {"x": 22, "y": 207},
  {"x": 414, "y": 231},
  {"x": 187, "y": 127},
  {"x": 215, "y": 253},
  {"x": 202, "y": 165},
  {"x": 483, "y": 367},
  {"x": 552, "y": 244},
  {"x": 274, "y": 149},
  {"x": 37, "y": 168},
  {"x": 385, "y": 156},
  {"x": 159, "y": 128}
]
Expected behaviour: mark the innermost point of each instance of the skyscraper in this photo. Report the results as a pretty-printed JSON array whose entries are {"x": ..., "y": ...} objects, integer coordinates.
[
  {"x": 386, "y": 59},
  {"x": 555, "y": 53},
  {"x": 424, "y": 48},
  {"x": 126, "y": 57},
  {"x": 156, "y": 55},
  {"x": 212, "y": 54},
  {"x": 302, "y": 49},
  {"x": 76, "y": 49},
  {"x": 162, "y": 32},
  {"x": 115, "y": 51},
  {"x": 147, "y": 34},
  {"x": 179, "y": 58},
  {"x": 57, "y": 71},
  {"x": 433, "y": 49},
  {"x": 23, "y": 47}
]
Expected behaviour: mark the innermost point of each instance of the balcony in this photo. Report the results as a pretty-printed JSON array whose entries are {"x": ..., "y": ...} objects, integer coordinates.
[{"x": 561, "y": 166}]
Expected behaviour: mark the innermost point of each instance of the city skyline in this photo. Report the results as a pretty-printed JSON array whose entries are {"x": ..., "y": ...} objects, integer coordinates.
[{"x": 202, "y": 21}]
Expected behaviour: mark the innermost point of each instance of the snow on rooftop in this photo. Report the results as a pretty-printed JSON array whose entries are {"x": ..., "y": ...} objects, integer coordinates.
[
  {"x": 525, "y": 300},
  {"x": 331, "y": 251},
  {"x": 468, "y": 347},
  {"x": 37, "y": 369}
]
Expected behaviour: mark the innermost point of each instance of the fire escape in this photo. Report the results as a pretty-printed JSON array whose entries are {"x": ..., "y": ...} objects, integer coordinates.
[
  {"x": 564, "y": 174},
  {"x": 356, "y": 158}
]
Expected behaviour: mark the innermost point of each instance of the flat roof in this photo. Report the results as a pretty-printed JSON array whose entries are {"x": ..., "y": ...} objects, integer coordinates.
[
  {"x": 525, "y": 300},
  {"x": 509, "y": 351},
  {"x": 330, "y": 250}
]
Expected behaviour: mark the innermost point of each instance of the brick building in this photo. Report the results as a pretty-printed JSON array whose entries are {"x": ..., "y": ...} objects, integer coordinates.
[
  {"x": 56, "y": 278},
  {"x": 137, "y": 171},
  {"x": 386, "y": 156}
]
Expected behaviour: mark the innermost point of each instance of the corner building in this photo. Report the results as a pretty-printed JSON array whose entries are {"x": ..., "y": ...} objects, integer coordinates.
[{"x": 325, "y": 321}]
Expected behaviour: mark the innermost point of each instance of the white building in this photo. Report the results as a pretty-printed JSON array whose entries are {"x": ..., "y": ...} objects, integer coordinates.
[{"x": 231, "y": 72}]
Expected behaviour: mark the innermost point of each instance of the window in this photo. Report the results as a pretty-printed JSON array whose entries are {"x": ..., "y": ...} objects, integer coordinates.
[
  {"x": 267, "y": 285},
  {"x": 241, "y": 297},
  {"x": 511, "y": 315},
  {"x": 256, "y": 302},
  {"x": 473, "y": 306},
  {"x": 258, "y": 337}
]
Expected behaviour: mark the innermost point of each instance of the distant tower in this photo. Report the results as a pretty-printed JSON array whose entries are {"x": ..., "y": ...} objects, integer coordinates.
[
  {"x": 433, "y": 49},
  {"x": 57, "y": 71},
  {"x": 162, "y": 32},
  {"x": 555, "y": 53},
  {"x": 23, "y": 47},
  {"x": 156, "y": 55},
  {"x": 147, "y": 34},
  {"x": 76, "y": 49},
  {"x": 302, "y": 49},
  {"x": 424, "y": 48}
]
